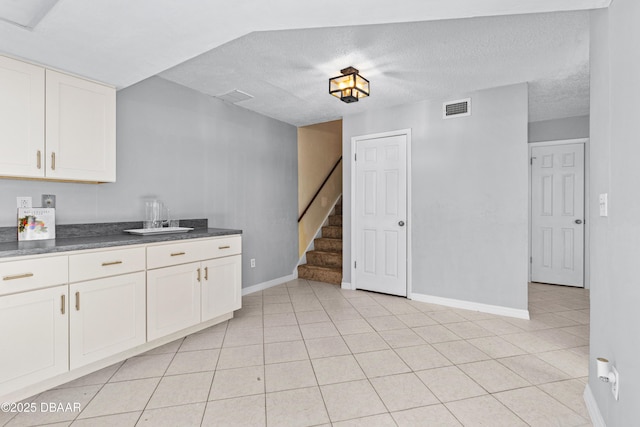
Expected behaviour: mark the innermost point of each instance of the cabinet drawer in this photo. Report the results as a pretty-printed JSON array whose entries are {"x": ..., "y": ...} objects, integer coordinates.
[
  {"x": 176, "y": 253},
  {"x": 105, "y": 263},
  {"x": 226, "y": 246},
  {"x": 192, "y": 251},
  {"x": 21, "y": 276}
]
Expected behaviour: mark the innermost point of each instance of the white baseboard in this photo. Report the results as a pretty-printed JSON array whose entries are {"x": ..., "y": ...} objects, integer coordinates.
[
  {"x": 346, "y": 285},
  {"x": 592, "y": 407},
  {"x": 475, "y": 306},
  {"x": 269, "y": 284}
]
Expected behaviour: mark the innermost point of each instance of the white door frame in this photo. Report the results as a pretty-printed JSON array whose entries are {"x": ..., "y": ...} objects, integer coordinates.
[
  {"x": 587, "y": 219},
  {"x": 354, "y": 140}
]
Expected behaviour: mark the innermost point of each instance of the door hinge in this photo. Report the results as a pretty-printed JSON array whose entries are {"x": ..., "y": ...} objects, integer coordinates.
[
  {"x": 355, "y": 264},
  {"x": 530, "y": 260},
  {"x": 531, "y": 160},
  {"x": 355, "y": 157}
]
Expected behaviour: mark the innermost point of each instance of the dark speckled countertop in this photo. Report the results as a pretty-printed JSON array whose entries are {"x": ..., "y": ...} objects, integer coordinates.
[{"x": 95, "y": 236}]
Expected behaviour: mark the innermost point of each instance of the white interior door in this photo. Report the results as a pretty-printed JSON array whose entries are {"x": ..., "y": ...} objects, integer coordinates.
[
  {"x": 380, "y": 215},
  {"x": 557, "y": 214}
]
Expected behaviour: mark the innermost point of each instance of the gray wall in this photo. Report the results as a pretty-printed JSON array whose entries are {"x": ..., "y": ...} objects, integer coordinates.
[
  {"x": 615, "y": 247},
  {"x": 559, "y": 129},
  {"x": 205, "y": 159},
  {"x": 469, "y": 195}
]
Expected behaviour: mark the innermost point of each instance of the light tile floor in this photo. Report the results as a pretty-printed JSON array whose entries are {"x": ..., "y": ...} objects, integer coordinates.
[{"x": 310, "y": 354}]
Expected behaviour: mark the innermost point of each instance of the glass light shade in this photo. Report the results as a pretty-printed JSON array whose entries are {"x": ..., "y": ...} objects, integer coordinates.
[{"x": 350, "y": 86}]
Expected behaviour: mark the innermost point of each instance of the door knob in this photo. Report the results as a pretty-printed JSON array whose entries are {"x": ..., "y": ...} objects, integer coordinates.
[
  {"x": 401, "y": 223},
  {"x": 578, "y": 221}
]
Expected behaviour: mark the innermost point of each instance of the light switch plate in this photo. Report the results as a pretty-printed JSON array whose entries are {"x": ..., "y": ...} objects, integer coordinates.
[
  {"x": 48, "y": 201},
  {"x": 604, "y": 204}
]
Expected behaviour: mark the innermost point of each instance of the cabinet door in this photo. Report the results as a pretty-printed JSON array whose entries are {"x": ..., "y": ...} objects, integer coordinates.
[
  {"x": 21, "y": 119},
  {"x": 80, "y": 129},
  {"x": 34, "y": 344},
  {"x": 173, "y": 299},
  {"x": 222, "y": 287},
  {"x": 107, "y": 316}
]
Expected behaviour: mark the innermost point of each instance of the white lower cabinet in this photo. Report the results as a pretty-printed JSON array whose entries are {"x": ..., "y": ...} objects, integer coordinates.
[
  {"x": 34, "y": 344},
  {"x": 222, "y": 286},
  {"x": 191, "y": 282},
  {"x": 173, "y": 299},
  {"x": 107, "y": 316},
  {"x": 61, "y": 313}
]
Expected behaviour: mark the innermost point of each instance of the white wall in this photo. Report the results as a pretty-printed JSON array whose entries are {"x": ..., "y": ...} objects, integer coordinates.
[
  {"x": 559, "y": 129},
  {"x": 205, "y": 159},
  {"x": 615, "y": 241},
  {"x": 469, "y": 197}
]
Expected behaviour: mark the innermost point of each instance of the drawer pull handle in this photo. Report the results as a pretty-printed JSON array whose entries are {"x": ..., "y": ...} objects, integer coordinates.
[
  {"x": 198, "y": 275},
  {"x": 224, "y": 247},
  {"x": 77, "y": 301},
  {"x": 62, "y": 304},
  {"x": 178, "y": 253},
  {"x": 53, "y": 161},
  {"x": 39, "y": 159},
  {"x": 106, "y": 264},
  {"x": 206, "y": 273},
  {"x": 18, "y": 276}
]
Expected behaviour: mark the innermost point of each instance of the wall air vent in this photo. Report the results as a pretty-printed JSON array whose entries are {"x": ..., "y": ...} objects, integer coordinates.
[
  {"x": 459, "y": 108},
  {"x": 234, "y": 96}
]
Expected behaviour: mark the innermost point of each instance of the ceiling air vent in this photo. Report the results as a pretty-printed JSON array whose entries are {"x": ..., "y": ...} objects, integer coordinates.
[
  {"x": 25, "y": 13},
  {"x": 234, "y": 96},
  {"x": 459, "y": 108}
]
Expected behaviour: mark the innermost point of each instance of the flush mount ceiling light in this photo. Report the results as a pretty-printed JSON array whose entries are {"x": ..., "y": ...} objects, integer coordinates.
[{"x": 350, "y": 86}]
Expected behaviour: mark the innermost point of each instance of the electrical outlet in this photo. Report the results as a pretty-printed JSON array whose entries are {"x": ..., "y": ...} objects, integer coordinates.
[
  {"x": 48, "y": 201},
  {"x": 253, "y": 263},
  {"x": 615, "y": 387},
  {"x": 24, "y": 202}
]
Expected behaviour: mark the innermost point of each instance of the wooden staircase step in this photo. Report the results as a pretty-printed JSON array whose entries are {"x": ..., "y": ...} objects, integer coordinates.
[
  {"x": 338, "y": 209},
  {"x": 328, "y": 245},
  {"x": 324, "y": 259},
  {"x": 332, "y": 231},
  {"x": 320, "y": 274},
  {"x": 335, "y": 220}
]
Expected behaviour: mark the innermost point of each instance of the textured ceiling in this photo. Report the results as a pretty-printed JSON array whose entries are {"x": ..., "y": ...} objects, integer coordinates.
[
  {"x": 122, "y": 42},
  {"x": 287, "y": 71}
]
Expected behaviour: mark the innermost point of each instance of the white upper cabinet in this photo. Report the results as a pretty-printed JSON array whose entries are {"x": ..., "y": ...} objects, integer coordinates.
[
  {"x": 80, "y": 129},
  {"x": 21, "y": 119},
  {"x": 55, "y": 126}
]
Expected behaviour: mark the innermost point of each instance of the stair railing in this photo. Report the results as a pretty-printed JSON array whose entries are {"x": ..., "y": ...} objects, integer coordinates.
[{"x": 319, "y": 189}]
